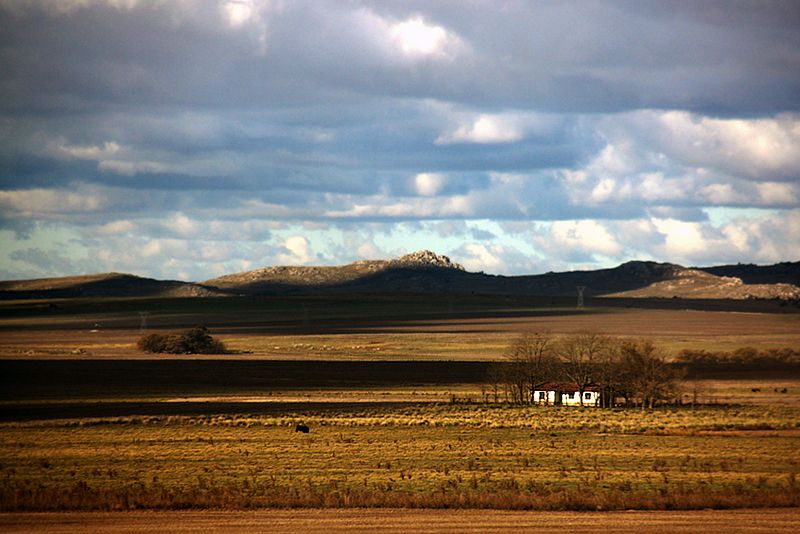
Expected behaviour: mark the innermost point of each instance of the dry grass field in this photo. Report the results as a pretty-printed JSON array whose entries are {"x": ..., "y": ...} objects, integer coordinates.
[{"x": 418, "y": 456}]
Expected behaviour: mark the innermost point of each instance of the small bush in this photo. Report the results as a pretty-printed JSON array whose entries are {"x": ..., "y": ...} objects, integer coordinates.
[{"x": 196, "y": 340}]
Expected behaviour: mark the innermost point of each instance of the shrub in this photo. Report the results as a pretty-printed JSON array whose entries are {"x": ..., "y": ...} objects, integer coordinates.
[
  {"x": 153, "y": 343},
  {"x": 196, "y": 340}
]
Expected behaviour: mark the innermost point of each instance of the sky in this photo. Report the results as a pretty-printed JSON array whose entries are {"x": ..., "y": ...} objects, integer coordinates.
[{"x": 186, "y": 139}]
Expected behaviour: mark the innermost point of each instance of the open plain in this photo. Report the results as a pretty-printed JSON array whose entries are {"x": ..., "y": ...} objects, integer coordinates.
[
  {"x": 403, "y": 416},
  {"x": 369, "y": 328}
]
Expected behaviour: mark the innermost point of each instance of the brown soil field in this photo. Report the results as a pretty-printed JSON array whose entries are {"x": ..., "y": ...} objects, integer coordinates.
[{"x": 394, "y": 520}]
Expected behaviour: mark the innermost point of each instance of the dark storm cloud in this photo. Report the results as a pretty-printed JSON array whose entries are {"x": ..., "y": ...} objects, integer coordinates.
[{"x": 565, "y": 56}]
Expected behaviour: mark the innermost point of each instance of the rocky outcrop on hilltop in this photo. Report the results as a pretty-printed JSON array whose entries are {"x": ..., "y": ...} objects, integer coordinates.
[
  {"x": 694, "y": 283},
  {"x": 302, "y": 278},
  {"x": 425, "y": 259}
]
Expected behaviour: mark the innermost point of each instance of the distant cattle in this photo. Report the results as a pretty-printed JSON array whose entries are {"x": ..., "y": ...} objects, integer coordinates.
[
  {"x": 301, "y": 428},
  {"x": 755, "y": 390}
]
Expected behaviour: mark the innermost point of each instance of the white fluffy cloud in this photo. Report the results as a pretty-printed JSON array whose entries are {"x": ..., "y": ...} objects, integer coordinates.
[
  {"x": 579, "y": 241},
  {"x": 416, "y": 37},
  {"x": 485, "y": 129},
  {"x": 761, "y": 149},
  {"x": 480, "y": 257},
  {"x": 298, "y": 251},
  {"x": 429, "y": 184},
  {"x": 50, "y": 203}
]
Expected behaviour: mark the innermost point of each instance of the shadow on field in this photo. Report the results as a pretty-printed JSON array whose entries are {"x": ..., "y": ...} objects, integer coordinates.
[
  {"x": 46, "y": 389},
  {"x": 75, "y": 379}
]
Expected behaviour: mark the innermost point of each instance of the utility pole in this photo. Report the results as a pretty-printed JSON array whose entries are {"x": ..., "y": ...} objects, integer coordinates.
[{"x": 580, "y": 295}]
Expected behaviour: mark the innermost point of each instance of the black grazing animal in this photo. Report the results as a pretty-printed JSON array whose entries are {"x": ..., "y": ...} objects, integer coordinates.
[{"x": 301, "y": 428}]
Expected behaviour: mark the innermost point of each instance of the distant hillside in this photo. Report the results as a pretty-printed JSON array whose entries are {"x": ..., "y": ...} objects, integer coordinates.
[
  {"x": 101, "y": 285},
  {"x": 699, "y": 284},
  {"x": 784, "y": 272},
  {"x": 425, "y": 272},
  {"x": 418, "y": 272}
]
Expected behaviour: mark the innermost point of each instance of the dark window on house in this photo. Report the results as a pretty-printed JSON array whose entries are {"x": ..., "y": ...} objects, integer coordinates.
[
  {"x": 542, "y": 395},
  {"x": 587, "y": 395}
]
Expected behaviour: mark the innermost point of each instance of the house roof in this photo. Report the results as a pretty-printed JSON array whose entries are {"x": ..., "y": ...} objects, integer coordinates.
[{"x": 565, "y": 387}]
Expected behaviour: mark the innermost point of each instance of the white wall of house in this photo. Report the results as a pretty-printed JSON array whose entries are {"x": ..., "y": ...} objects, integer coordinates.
[
  {"x": 590, "y": 398},
  {"x": 544, "y": 397}
]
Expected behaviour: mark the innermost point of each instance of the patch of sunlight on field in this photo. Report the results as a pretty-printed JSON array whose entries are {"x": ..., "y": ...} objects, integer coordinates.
[
  {"x": 364, "y": 328},
  {"x": 409, "y": 346},
  {"x": 435, "y": 455}
]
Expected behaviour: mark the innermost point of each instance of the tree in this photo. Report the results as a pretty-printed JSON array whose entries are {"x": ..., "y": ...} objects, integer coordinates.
[
  {"x": 531, "y": 362},
  {"x": 582, "y": 356},
  {"x": 650, "y": 377},
  {"x": 611, "y": 375}
]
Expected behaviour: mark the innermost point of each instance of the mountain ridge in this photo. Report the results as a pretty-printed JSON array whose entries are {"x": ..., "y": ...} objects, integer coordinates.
[{"x": 425, "y": 272}]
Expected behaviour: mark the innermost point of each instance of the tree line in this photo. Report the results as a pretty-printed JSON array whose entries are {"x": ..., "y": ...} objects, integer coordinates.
[{"x": 626, "y": 372}]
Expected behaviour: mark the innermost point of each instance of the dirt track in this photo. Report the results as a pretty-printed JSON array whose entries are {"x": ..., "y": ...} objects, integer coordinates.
[{"x": 335, "y": 520}]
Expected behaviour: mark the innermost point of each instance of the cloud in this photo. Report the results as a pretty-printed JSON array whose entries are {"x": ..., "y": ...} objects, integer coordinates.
[
  {"x": 479, "y": 257},
  {"x": 298, "y": 251},
  {"x": 758, "y": 149},
  {"x": 217, "y": 134},
  {"x": 415, "y": 38},
  {"x": 587, "y": 236},
  {"x": 429, "y": 184},
  {"x": 486, "y": 129},
  {"x": 92, "y": 152},
  {"x": 120, "y": 227},
  {"x": 35, "y": 203}
]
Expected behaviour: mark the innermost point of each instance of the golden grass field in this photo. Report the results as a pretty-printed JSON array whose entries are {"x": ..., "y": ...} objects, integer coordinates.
[{"x": 419, "y": 456}]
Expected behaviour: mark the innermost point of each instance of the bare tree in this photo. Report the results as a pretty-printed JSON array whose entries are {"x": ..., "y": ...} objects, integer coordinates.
[
  {"x": 611, "y": 375},
  {"x": 583, "y": 356},
  {"x": 497, "y": 376},
  {"x": 532, "y": 361},
  {"x": 632, "y": 369},
  {"x": 651, "y": 379}
]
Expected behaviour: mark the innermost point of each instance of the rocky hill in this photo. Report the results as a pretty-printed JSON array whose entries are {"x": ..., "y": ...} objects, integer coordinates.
[
  {"x": 425, "y": 272},
  {"x": 409, "y": 273},
  {"x": 699, "y": 284},
  {"x": 786, "y": 272}
]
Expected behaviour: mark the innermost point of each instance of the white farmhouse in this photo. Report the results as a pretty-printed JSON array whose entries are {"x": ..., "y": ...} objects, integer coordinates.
[{"x": 567, "y": 394}]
